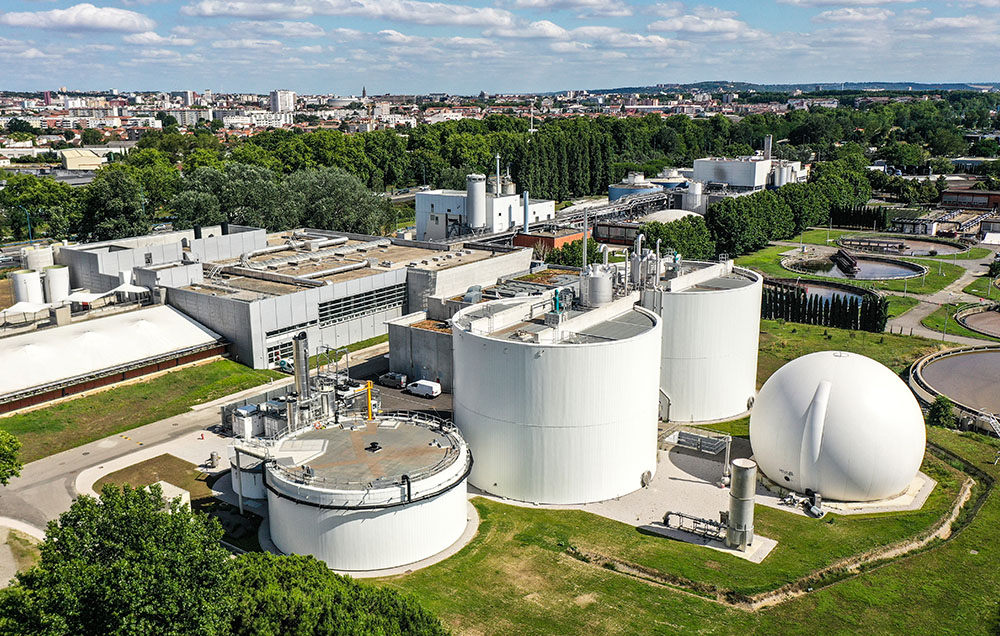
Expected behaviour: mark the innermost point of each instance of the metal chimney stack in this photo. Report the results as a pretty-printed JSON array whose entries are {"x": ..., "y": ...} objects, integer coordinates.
[
  {"x": 300, "y": 358},
  {"x": 739, "y": 529},
  {"x": 767, "y": 146}
]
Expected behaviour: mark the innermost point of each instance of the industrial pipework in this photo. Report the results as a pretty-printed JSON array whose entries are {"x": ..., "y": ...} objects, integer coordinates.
[{"x": 739, "y": 525}]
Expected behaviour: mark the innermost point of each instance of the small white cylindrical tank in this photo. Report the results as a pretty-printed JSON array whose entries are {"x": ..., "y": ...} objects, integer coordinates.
[
  {"x": 368, "y": 496},
  {"x": 708, "y": 364},
  {"x": 36, "y": 257},
  {"x": 569, "y": 420},
  {"x": 475, "y": 200},
  {"x": 27, "y": 286},
  {"x": 839, "y": 424},
  {"x": 249, "y": 478},
  {"x": 56, "y": 283},
  {"x": 600, "y": 285}
]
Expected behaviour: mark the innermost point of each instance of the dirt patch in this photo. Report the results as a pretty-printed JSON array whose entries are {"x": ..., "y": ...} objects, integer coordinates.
[
  {"x": 585, "y": 599},
  {"x": 713, "y": 565},
  {"x": 432, "y": 325}
]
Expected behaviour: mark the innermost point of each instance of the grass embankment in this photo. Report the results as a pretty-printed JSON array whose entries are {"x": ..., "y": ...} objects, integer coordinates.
[
  {"x": 240, "y": 531},
  {"x": 983, "y": 288},
  {"x": 973, "y": 254},
  {"x": 24, "y": 548},
  {"x": 517, "y": 577},
  {"x": 899, "y": 305},
  {"x": 943, "y": 321},
  {"x": 781, "y": 342},
  {"x": 75, "y": 422},
  {"x": 322, "y": 358},
  {"x": 940, "y": 274}
]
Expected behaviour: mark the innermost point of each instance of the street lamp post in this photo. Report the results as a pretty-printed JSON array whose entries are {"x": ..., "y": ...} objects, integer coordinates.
[{"x": 31, "y": 238}]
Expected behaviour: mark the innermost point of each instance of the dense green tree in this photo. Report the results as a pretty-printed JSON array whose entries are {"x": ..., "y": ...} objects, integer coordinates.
[
  {"x": 51, "y": 204},
  {"x": 688, "y": 236},
  {"x": 124, "y": 564},
  {"x": 333, "y": 199},
  {"x": 91, "y": 137},
  {"x": 194, "y": 207},
  {"x": 10, "y": 466},
  {"x": 942, "y": 412},
  {"x": 299, "y": 596},
  {"x": 16, "y": 125},
  {"x": 571, "y": 254},
  {"x": 113, "y": 205},
  {"x": 201, "y": 158}
]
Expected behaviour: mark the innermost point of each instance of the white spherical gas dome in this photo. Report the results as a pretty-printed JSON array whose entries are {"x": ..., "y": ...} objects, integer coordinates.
[{"x": 839, "y": 424}]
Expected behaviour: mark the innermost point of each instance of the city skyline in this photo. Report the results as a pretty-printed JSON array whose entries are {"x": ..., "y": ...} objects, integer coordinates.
[{"x": 411, "y": 46}]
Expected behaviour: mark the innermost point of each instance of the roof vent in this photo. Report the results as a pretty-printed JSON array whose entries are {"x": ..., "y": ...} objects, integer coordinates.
[{"x": 374, "y": 447}]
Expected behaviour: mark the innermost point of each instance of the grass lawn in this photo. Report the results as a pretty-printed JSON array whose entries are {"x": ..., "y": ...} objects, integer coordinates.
[
  {"x": 517, "y": 576},
  {"x": 899, "y": 305},
  {"x": 24, "y": 548},
  {"x": 981, "y": 287},
  {"x": 240, "y": 531},
  {"x": 819, "y": 237},
  {"x": 974, "y": 253},
  {"x": 944, "y": 316},
  {"x": 781, "y": 342},
  {"x": 75, "y": 422}
]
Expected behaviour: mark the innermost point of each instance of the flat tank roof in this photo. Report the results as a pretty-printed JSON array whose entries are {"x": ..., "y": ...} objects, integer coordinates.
[{"x": 344, "y": 458}]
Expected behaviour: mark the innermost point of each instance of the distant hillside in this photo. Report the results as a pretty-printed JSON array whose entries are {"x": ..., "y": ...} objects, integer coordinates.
[{"x": 736, "y": 87}]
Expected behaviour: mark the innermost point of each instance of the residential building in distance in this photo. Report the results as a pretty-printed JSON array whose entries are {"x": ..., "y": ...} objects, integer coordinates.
[{"x": 282, "y": 101}]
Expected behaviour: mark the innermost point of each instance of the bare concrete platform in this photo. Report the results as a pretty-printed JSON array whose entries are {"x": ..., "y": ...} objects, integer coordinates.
[
  {"x": 755, "y": 553},
  {"x": 913, "y": 498}
]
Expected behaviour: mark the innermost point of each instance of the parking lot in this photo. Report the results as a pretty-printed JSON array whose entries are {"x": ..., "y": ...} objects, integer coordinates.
[{"x": 395, "y": 399}]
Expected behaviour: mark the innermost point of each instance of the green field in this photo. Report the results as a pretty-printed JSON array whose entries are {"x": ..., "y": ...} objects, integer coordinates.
[
  {"x": 899, "y": 305},
  {"x": 781, "y": 342},
  {"x": 981, "y": 287},
  {"x": 974, "y": 254},
  {"x": 518, "y": 575},
  {"x": 62, "y": 426},
  {"x": 944, "y": 318}
]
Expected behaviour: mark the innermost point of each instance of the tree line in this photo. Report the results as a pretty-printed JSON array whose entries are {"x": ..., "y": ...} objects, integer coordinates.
[
  {"x": 131, "y": 563},
  {"x": 841, "y": 311}
]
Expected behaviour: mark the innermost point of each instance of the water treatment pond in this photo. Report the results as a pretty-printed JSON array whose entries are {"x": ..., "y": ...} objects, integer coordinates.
[
  {"x": 969, "y": 378},
  {"x": 868, "y": 269}
]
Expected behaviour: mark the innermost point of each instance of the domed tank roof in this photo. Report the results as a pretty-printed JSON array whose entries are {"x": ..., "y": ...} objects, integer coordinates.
[{"x": 839, "y": 424}]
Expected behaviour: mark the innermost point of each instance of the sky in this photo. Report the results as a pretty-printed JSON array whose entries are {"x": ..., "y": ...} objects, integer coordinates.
[{"x": 417, "y": 46}]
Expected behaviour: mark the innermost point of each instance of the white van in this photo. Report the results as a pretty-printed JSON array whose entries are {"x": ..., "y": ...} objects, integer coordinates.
[{"x": 424, "y": 388}]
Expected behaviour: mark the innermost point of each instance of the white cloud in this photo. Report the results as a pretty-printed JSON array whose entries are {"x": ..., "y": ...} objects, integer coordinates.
[
  {"x": 667, "y": 9},
  {"x": 708, "y": 22},
  {"x": 279, "y": 29},
  {"x": 411, "y": 11},
  {"x": 33, "y": 54},
  {"x": 542, "y": 29},
  {"x": 247, "y": 43},
  {"x": 569, "y": 47},
  {"x": 151, "y": 38},
  {"x": 81, "y": 17},
  {"x": 587, "y": 8},
  {"x": 841, "y": 3},
  {"x": 851, "y": 14},
  {"x": 311, "y": 49}
]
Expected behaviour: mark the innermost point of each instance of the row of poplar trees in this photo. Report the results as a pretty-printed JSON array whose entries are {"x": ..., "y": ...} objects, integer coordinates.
[
  {"x": 869, "y": 313},
  {"x": 860, "y": 216}
]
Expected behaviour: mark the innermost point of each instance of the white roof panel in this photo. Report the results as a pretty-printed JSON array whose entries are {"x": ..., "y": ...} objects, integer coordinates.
[{"x": 49, "y": 355}]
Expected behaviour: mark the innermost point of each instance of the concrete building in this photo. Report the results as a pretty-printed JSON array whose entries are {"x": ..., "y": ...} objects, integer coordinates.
[
  {"x": 80, "y": 159},
  {"x": 190, "y": 116},
  {"x": 257, "y": 290},
  {"x": 982, "y": 200},
  {"x": 282, "y": 101},
  {"x": 444, "y": 214},
  {"x": 186, "y": 97}
]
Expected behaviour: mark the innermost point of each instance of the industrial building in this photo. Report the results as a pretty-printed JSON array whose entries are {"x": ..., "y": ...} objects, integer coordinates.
[
  {"x": 750, "y": 174},
  {"x": 557, "y": 398},
  {"x": 447, "y": 214},
  {"x": 46, "y": 364},
  {"x": 633, "y": 184},
  {"x": 258, "y": 289},
  {"x": 984, "y": 200},
  {"x": 838, "y": 424}
]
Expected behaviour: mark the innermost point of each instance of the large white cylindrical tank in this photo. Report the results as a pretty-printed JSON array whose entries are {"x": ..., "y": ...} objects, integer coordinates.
[
  {"x": 839, "y": 424},
  {"x": 27, "y": 286},
  {"x": 711, "y": 332},
  {"x": 36, "y": 257},
  {"x": 359, "y": 509},
  {"x": 475, "y": 200},
  {"x": 559, "y": 423},
  {"x": 56, "y": 283}
]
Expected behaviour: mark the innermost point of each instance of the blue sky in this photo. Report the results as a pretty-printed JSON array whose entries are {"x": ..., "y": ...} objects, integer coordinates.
[{"x": 406, "y": 46}]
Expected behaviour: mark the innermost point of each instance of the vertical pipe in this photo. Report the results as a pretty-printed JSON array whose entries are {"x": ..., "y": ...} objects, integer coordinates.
[
  {"x": 499, "y": 188},
  {"x": 525, "y": 211},
  {"x": 586, "y": 226},
  {"x": 239, "y": 479},
  {"x": 739, "y": 530},
  {"x": 369, "y": 388}
]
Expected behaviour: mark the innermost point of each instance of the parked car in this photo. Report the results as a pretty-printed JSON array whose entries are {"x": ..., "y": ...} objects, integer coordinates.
[
  {"x": 393, "y": 380},
  {"x": 286, "y": 366},
  {"x": 424, "y": 388}
]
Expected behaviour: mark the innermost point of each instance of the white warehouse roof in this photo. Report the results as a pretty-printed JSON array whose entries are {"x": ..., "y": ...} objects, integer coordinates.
[{"x": 50, "y": 355}]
